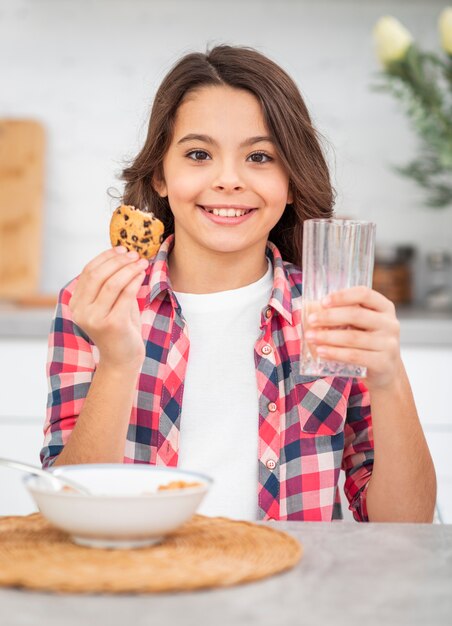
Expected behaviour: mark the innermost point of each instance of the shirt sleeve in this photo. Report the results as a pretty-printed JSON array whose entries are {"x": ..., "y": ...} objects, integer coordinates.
[
  {"x": 70, "y": 368},
  {"x": 358, "y": 458}
]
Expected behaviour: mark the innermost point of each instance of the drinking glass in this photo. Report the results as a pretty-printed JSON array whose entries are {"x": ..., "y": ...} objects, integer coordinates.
[{"x": 337, "y": 253}]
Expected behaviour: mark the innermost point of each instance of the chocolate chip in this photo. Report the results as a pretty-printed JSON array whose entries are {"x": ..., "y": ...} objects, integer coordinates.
[
  {"x": 118, "y": 211},
  {"x": 145, "y": 240},
  {"x": 134, "y": 238},
  {"x": 118, "y": 242},
  {"x": 126, "y": 217},
  {"x": 146, "y": 223},
  {"x": 147, "y": 232},
  {"x": 123, "y": 233},
  {"x": 161, "y": 238}
]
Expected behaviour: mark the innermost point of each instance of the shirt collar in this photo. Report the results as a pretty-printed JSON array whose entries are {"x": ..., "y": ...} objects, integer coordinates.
[{"x": 157, "y": 283}]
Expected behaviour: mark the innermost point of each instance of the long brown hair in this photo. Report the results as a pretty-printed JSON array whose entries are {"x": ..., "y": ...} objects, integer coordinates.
[{"x": 286, "y": 117}]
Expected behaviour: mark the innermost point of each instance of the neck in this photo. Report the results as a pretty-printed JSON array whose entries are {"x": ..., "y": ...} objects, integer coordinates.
[{"x": 196, "y": 269}]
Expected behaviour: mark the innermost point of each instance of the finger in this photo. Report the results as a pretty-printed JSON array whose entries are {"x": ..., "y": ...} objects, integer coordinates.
[
  {"x": 117, "y": 283},
  {"x": 347, "y": 338},
  {"x": 125, "y": 300},
  {"x": 355, "y": 316},
  {"x": 94, "y": 276},
  {"x": 352, "y": 356},
  {"x": 365, "y": 296},
  {"x": 80, "y": 288},
  {"x": 111, "y": 253}
]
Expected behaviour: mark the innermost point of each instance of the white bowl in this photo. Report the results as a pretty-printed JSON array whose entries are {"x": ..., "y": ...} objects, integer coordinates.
[{"x": 125, "y": 510}]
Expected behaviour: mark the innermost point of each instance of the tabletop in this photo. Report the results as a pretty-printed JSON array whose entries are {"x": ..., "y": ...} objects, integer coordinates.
[{"x": 350, "y": 573}]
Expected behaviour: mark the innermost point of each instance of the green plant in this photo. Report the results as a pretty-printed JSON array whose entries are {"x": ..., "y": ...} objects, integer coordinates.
[{"x": 422, "y": 82}]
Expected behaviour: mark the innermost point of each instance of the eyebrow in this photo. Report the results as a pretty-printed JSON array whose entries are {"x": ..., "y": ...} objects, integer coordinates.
[{"x": 207, "y": 139}]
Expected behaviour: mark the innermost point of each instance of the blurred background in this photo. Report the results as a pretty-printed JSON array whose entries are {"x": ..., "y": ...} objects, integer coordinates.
[
  {"x": 87, "y": 71},
  {"x": 77, "y": 82}
]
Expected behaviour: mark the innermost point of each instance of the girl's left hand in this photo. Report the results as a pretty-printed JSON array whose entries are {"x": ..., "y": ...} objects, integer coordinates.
[{"x": 359, "y": 326}]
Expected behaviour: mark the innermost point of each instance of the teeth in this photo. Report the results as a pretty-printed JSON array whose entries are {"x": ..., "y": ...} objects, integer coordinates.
[{"x": 228, "y": 212}]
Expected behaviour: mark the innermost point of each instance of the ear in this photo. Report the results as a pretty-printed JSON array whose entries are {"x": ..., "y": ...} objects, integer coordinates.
[{"x": 160, "y": 186}]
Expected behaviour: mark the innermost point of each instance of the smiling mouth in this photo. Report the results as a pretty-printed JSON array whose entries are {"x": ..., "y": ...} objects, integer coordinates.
[{"x": 227, "y": 212}]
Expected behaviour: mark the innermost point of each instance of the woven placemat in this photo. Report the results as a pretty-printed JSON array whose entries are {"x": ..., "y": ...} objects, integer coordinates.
[{"x": 205, "y": 552}]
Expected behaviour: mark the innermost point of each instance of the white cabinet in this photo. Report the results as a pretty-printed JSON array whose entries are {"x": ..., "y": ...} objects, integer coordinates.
[
  {"x": 20, "y": 439},
  {"x": 430, "y": 373},
  {"x": 23, "y": 382},
  {"x": 23, "y": 392}
]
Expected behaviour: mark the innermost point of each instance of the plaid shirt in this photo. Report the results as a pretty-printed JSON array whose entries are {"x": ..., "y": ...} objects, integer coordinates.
[{"x": 309, "y": 427}]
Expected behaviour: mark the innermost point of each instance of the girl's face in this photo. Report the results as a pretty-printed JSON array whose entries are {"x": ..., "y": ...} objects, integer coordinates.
[{"x": 222, "y": 158}]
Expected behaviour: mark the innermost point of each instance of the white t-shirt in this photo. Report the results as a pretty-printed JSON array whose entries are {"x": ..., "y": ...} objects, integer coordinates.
[{"x": 219, "y": 419}]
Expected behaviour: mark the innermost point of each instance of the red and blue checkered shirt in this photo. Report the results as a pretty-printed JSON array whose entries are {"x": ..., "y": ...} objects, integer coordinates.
[{"x": 309, "y": 427}]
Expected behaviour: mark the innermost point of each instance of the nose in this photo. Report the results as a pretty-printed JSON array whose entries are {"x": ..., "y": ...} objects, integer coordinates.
[{"x": 227, "y": 178}]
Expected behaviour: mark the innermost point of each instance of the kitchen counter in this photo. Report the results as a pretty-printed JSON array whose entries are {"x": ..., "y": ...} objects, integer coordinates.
[
  {"x": 423, "y": 327},
  {"x": 418, "y": 326},
  {"x": 395, "y": 574},
  {"x": 25, "y": 322}
]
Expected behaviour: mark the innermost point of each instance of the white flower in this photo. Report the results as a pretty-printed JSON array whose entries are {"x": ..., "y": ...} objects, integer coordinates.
[
  {"x": 392, "y": 39},
  {"x": 445, "y": 29}
]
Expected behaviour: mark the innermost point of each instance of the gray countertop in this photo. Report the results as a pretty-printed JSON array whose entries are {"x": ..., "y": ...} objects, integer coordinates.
[
  {"x": 21, "y": 323},
  {"x": 392, "y": 574},
  {"x": 418, "y": 326}
]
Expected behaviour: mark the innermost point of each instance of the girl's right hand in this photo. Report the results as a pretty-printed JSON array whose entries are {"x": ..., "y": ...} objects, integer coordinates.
[{"x": 105, "y": 306}]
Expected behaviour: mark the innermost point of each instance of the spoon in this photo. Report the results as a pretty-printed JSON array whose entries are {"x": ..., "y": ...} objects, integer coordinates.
[{"x": 59, "y": 481}]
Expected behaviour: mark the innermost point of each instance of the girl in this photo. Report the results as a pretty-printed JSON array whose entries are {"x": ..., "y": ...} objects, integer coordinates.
[{"x": 192, "y": 359}]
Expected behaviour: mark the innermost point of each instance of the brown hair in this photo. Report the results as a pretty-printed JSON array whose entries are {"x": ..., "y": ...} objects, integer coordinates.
[{"x": 288, "y": 123}]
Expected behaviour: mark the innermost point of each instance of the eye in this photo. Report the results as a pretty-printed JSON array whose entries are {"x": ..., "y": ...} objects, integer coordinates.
[
  {"x": 197, "y": 155},
  {"x": 261, "y": 157}
]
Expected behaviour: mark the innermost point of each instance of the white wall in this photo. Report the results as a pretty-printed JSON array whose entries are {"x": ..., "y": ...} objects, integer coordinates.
[{"x": 89, "y": 70}]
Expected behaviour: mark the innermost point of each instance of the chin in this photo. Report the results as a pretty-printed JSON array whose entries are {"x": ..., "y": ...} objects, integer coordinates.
[
  {"x": 225, "y": 248},
  {"x": 226, "y": 244}
]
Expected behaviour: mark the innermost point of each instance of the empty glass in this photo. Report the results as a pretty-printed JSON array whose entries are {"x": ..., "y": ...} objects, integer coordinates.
[{"x": 336, "y": 254}]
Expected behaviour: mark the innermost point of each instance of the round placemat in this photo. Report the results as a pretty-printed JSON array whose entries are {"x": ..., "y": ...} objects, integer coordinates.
[{"x": 205, "y": 552}]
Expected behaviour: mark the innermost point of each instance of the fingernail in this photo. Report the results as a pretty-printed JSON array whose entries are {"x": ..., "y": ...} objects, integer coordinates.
[
  {"x": 327, "y": 300},
  {"x": 143, "y": 263},
  {"x": 120, "y": 249},
  {"x": 313, "y": 318},
  {"x": 132, "y": 254}
]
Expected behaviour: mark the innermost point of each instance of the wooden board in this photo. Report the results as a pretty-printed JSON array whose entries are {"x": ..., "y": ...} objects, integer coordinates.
[{"x": 21, "y": 205}]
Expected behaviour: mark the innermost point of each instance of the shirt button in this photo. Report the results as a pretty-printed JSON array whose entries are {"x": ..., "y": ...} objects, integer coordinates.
[
  {"x": 271, "y": 464},
  {"x": 266, "y": 349},
  {"x": 268, "y": 312},
  {"x": 272, "y": 407}
]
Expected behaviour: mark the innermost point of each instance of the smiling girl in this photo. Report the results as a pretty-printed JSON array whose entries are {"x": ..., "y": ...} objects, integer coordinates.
[{"x": 192, "y": 359}]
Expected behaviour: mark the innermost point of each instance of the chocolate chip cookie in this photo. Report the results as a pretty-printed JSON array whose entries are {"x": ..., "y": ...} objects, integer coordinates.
[{"x": 136, "y": 230}]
